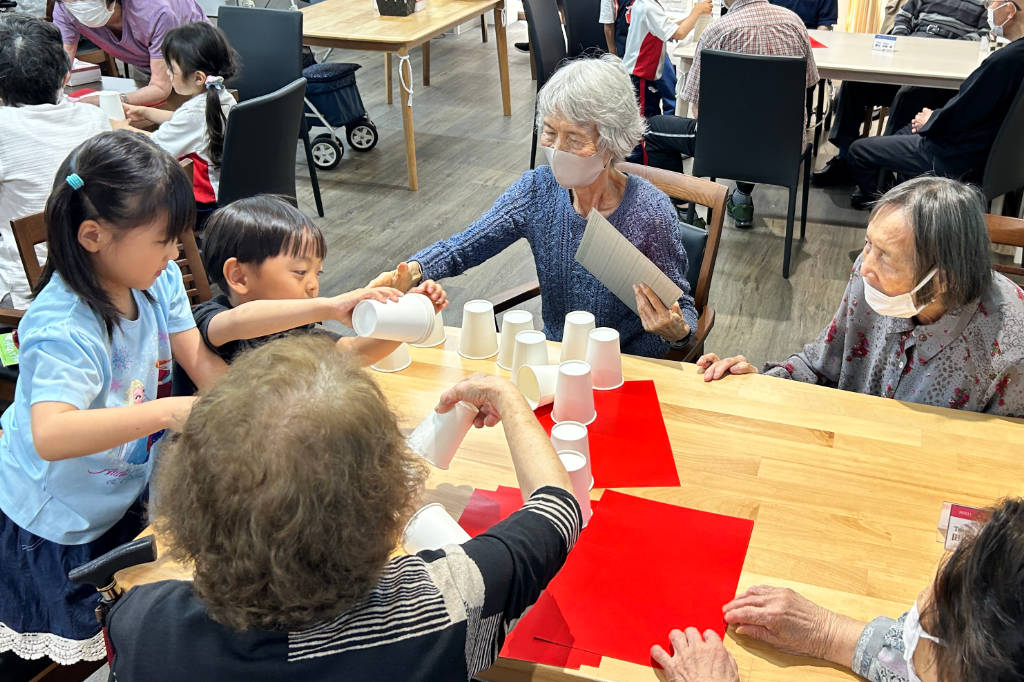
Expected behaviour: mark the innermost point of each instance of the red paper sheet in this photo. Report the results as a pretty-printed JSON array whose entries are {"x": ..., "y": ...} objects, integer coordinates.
[
  {"x": 629, "y": 446},
  {"x": 816, "y": 43},
  {"x": 640, "y": 569}
]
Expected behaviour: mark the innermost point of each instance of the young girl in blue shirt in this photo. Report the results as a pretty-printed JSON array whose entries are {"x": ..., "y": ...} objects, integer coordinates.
[{"x": 96, "y": 347}]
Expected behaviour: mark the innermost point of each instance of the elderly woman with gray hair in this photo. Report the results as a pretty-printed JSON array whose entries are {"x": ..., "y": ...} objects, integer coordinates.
[
  {"x": 588, "y": 119},
  {"x": 924, "y": 318}
]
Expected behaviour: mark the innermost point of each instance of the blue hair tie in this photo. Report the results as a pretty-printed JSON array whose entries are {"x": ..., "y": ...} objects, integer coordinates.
[{"x": 75, "y": 181}]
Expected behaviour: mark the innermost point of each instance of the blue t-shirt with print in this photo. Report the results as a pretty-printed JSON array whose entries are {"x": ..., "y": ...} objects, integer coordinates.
[{"x": 66, "y": 356}]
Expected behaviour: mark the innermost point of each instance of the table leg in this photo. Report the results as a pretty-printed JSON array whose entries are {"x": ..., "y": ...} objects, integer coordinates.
[
  {"x": 405, "y": 75},
  {"x": 426, "y": 63},
  {"x": 499, "y": 33},
  {"x": 387, "y": 75}
]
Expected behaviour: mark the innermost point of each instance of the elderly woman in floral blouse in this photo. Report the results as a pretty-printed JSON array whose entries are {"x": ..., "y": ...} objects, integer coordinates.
[{"x": 924, "y": 318}]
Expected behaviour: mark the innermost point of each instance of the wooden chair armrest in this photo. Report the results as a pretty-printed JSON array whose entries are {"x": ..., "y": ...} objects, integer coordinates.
[
  {"x": 11, "y": 317},
  {"x": 508, "y": 299},
  {"x": 695, "y": 347}
]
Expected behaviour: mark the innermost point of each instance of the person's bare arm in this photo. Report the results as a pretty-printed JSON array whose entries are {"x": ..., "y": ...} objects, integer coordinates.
[
  {"x": 158, "y": 88},
  {"x": 135, "y": 113},
  {"x": 202, "y": 365},
  {"x": 609, "y": 37},
  {"x": 72, "y": 50},
  {"x": 699, "y": 9},
  {"x": 366, "y": 351}
]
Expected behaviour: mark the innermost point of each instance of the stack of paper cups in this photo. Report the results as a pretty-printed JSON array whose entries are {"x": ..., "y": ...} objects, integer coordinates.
[
  {"x": 396, "y": 361},
  {"x": 410, "y": 318},
  {"x": 437, "y": 335},
  {"x": 604, "y": 358},
  {"x": 110, "y": 103},
  {"x": 431, "y": 527},
  {"x": 438, "y": 437},
  {"x": 573, "y": 436},
  {"x": 512, "y": 323},
  {"x": 574, "y": 394},
  {"x": 531, "y": 348},
  {"x": 574, "y": 335},
  {"x": 537, "y": 384},
  {"x": 579, "y": 476},
  {"x": 478, "y": 339}
]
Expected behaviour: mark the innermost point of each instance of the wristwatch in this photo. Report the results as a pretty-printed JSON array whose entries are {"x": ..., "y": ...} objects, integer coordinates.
[{"x": 124, "y": 98}]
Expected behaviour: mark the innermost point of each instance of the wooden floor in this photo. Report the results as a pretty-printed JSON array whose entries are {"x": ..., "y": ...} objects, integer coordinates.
[{"x": 469, "y": 153}]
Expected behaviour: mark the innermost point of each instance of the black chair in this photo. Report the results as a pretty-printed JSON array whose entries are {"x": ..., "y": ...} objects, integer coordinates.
[
  {"x": 269, "y": 43},
  {"x": 769, "y": 150},
  {"x": 255, "y": 162},
  {"x": 1004, "y": 170},
  {"x": 548, "y": 45},
  {"x": 584, "y": 34}
]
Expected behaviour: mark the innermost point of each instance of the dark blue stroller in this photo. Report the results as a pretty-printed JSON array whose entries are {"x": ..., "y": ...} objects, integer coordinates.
[{"x": 333, "y": 101}]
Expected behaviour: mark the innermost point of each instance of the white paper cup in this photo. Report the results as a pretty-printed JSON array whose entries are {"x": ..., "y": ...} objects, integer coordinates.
[
  {"x": 410, "y": 319},
  {"x": 537, "y": 384},
  {"x": 579, "y": 475},
  {"x": 437, "y": 438},
  {"x": 574, "y": 335},
  {"x": 512, "y": 323},
  {"x": 604, "y": 358},
  {"x": 432, "y": 527},
  {"x": 574, "y": 394},
  {"x": 110, "y": 103},
  {"x": 573, "y": 436},
  {"x": 437, "y": 336},
  {"x": 398, "y": 360},
  {"x": 531, "y": 348},
  {"x": 478, "y": 339}
]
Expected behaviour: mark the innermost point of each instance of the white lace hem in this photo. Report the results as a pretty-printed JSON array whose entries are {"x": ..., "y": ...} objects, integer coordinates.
[{"x": 61, "y": 650}]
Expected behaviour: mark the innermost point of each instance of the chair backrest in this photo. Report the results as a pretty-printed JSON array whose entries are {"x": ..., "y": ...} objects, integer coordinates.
[
  {"x": 731, "y": 143},
  {"x": 259, "y": 145},
  {"x": 546, "y": 39},
  {"x": 1004, "y": 169},
  {"x": 269, "y": 44},
  {"x": 584, "y": 34},
  {"x": 28, "y": 232},
  {"x": 704, "y": 244},
  {"x": 1009, "y": 231}
]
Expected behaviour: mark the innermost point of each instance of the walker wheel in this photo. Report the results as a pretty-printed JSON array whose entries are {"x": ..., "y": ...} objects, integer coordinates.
[
  {"x": 326, "y": 151},
  {"x": 363, "y": 136}
]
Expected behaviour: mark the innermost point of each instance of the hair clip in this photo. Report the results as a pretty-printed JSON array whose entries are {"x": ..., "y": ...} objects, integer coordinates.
[
  {"x": 215, "y": 82},
  {"x": 75, "y": 181}
]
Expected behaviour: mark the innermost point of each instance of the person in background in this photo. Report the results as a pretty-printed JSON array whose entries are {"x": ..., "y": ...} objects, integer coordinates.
[
  {"x": 924, "y": 317},
  {"x": 129, "y": 30},
  {"x": 38, "y": 128},
  {"x": 819, "y": 14}
]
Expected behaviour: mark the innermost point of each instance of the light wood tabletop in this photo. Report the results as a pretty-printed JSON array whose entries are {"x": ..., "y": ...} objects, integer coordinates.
[
  {"x": 356, "y": 25},
  {"x": 845, "y": 490},
  {"x": 927, "y": 62}
]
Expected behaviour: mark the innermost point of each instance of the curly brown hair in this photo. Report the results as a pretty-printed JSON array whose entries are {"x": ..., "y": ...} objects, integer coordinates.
[{"x": 287, "y": 487}]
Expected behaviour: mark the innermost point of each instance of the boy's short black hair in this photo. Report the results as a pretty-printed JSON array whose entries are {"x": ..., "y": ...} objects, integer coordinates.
[
  {"x": 255, "y": 229},
  {"x": 33, "y": 62}
]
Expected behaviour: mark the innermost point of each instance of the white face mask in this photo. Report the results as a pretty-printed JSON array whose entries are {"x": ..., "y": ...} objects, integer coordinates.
[
  {"x": 912, "y": 633},
  {"x": 574, "y": 171},
  {"x": 996, "y": 29},
  {"x": 91, "y": 13},
  {"x": 896, "y": 306}
]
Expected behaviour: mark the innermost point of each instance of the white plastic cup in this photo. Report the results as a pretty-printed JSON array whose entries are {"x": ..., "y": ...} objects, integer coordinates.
[
  {"x": 574, "y": 394},
  {"x": 437, "y": 335},
  {"x": 110, "y": 103},
  {"x": 531, "y": 348},
  {"x": 579, "y": 475},
  {"x": 410, "y": 319},
  {"x": 537, "y": 384},
  {"x": 573, "y": 436},
  {"x": 437, "y": 438},
  {"x": 432, "y": 527},
  {"x": 604, "y": 358},
  {"x": 574, "y": 335},
  {"x": 512, "y": 323},
  {"x": 478, "y": 340},
  {"x": 396, "y": 361}
]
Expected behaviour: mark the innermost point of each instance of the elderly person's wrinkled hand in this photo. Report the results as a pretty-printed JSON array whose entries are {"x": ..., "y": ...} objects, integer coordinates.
[
  {"x": 668, "y": 323},
  {"x": 434, "y": 291},
  {"x": 920, "y": 120},
  {"x": 783, "y": 618},
  {"x": 715, "y": 368},
  {"x": 695, "y": 659},
  {"x": 486, "y": 392},
  {"x": 401, "y": 278}
]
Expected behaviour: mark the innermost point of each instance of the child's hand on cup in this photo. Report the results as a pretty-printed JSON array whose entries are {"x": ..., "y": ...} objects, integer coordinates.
[
  {"x": 435, "y": 292},
  {"x": 134, "y": 112},
  {"x": 343, "y": 304}
]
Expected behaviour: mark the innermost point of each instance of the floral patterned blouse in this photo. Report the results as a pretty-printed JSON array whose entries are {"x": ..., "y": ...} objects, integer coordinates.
[{"x": 972, "y": 358}]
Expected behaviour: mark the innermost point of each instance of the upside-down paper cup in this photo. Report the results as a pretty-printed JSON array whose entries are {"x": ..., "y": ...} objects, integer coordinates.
[
  {"x": 110, "y": 103},
  {"x": 604, "y": 358},
  {"x": 573, "y": 436},
  {"x": 478, "y": 339},
  {"x": 574, "y": 335},
  {"x": 437, "y": 438},
  {"x": 574, "y": 394},
  {"x": 531, "y": 348},
  {"x": 398, "y": 360},
  {"x": 512, "y": 323},
  {"x": 437, "y": 335},
  {"x": 579, "y": 475},
  {"x": 432, "y": 527},
  {"x": 537, "y": 384},
  {"x": 410, "y": 319}
]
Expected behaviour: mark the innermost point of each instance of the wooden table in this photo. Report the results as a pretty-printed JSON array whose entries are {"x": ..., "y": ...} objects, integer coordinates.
[
  {"x": 355, "y": 25},
  {"x": 845, "y": 490}
]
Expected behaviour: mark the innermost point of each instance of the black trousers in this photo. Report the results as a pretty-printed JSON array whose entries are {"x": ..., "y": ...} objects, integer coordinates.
[
  {"x": 669, "y": 138},
  {"x": 906, "y": 154},
  {"x": 904, "y": 104}
]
